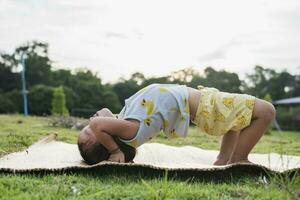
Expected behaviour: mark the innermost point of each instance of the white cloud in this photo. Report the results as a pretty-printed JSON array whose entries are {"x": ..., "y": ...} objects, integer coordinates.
[{"x": 117, "y": 38}]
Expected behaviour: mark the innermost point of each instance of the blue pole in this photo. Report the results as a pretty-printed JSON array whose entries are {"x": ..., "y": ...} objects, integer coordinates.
[{"x": 24, "y": 91}]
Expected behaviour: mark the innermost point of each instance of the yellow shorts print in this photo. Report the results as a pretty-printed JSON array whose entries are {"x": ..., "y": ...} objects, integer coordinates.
[{"x": 219, "y": 112}]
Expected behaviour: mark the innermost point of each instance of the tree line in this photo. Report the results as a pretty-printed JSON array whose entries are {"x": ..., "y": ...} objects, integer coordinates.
[{"x": 85, "y": 93}]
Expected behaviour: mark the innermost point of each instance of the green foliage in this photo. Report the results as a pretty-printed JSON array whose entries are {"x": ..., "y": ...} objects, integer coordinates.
[
  {"x": 112, "y": 101},
  {"x": 125, "y": 89},
  {"x": 222, "y": 80},
  {"x": 105, "y": 186},
  {"x": 281, "y": 85},
  {"x": 257, "y": 82},
  {"x": 72, "y": 98},
  {"x": 39, "y": 98},
  {"x": 37, "y": 62},
  {"x": 61, "y": 77},
  {"x": 162, "y": 79},
  {"x": 88, "y": 87},
  {"x": 269, "y": 99},
  {"x": 6, "y": 105},
  {"x": 163, "y": 192},
  {"x": 288, "y": 117},
  {"x": 265, "y": 80},
  {"x": 90, "y": 91},
  {"x": 16, "y": 98},
  {"x": 138, "y": 77},
  {"x": 59, "y": 102},
  {"x": 295, "y": 90},
  {"x": 8, "y": 80},
  {"x": 286, "y": 181}
]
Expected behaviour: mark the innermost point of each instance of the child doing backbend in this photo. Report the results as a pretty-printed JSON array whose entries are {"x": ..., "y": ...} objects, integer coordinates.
[{"x": 240, "y": 119}]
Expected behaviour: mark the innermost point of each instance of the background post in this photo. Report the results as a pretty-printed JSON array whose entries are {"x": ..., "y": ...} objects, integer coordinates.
[{"x": 24, "y": 91}]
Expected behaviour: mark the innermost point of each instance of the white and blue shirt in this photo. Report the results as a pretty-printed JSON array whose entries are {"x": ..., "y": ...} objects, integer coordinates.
[{"x": 158, "y": 107}]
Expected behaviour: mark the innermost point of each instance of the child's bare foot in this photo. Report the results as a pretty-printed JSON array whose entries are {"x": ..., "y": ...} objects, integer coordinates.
[{"x": 220, "y": 161}]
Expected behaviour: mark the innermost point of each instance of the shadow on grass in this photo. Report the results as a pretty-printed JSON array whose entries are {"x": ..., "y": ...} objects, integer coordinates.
[{"x": 235, "y": 172}]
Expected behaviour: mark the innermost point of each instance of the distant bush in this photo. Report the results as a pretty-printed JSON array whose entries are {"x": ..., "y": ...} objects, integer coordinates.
[
  {"x": 40, "y": 100},
  {"x": 59, "y": 102},
  {"x": 16, "y": 98},
  {"x": 288, "y": 117},
  {"x": 6, "y": 105},
  {"x": 268, "y": 98},
  {"x": 67, "y": 122},
  {"x": 72, "y": 99},
  {"x": 112, "y": 102}
]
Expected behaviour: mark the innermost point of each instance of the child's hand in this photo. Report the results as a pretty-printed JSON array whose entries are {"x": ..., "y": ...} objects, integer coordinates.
[
  {"x": 104, "y": 112},
  {"x": 117, "y": 156}
]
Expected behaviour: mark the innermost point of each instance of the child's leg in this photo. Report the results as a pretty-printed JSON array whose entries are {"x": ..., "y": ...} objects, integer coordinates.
[
  {"x": 228, "y": 144},
  {"x": 262, "y": 117}
]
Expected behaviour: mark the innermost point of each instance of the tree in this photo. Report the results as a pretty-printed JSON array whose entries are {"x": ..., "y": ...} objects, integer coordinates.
[
  {"x": 197, "y": 80},
  {"x": 138, "y": 77},
  {"x": 111, "y": 101},
  {"x": 125, "y": 89},
  {"x": 8, "y": 80},
  {"x": 267, "y": 81},
  {"x": 222, "y": 80},
  {"x": 59, "y": 102},
  {"x": 257, "y": 83},
  {"x": 37, "y": 62},
  {"x": 161, "y": 79},
  {"x": 61, "y": 77},
  {"x": 6, "y": 105},
  {"x": 39, "y": 100},
  {"x": 87, "y": 86},
  {"x": 72, "y": 99},
  {"x": 183, "y": 76},
  {"x": 295, "y": 91},
  {"x": 16, "y": 98},
  {"x": 281, "y": 85}
]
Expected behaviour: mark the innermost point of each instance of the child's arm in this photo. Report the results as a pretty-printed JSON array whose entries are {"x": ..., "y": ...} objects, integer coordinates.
[{"x": 105, "y": 127}]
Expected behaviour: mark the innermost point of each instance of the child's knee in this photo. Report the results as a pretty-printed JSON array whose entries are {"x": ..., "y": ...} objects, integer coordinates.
[
  {"x": 264, "y": 110},
  {"x": 268, "y": 112}
]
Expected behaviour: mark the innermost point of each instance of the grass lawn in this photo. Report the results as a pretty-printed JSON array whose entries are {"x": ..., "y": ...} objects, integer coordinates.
[{"x": 17, "y": 132}]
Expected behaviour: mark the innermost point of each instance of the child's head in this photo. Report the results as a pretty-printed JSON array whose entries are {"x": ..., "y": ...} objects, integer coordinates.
[{"x": 92, "y": 151}]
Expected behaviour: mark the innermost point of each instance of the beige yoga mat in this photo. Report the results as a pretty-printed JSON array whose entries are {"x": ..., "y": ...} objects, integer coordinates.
[{"x": 52, "y": 155}]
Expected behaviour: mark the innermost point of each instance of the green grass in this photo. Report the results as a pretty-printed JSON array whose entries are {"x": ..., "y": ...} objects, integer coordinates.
[{"x": 17, "y": 133}]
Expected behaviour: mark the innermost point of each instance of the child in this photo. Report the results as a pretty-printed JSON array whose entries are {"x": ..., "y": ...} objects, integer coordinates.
[{"x": 241, "y": 119}]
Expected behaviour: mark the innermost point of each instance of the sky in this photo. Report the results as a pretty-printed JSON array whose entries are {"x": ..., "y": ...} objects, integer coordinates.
[{"x": 116, "y": 38}]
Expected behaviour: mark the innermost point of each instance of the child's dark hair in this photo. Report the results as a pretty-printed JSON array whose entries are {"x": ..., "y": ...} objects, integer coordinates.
[{"x": 96, "y": 152}]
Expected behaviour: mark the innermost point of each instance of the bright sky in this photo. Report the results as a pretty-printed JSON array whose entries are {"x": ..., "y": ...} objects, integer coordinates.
[{"x": 116, "y": 38}]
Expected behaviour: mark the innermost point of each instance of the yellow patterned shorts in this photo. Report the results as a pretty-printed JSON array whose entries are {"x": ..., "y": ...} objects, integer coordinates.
[{"x": 218, "y": 112}]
